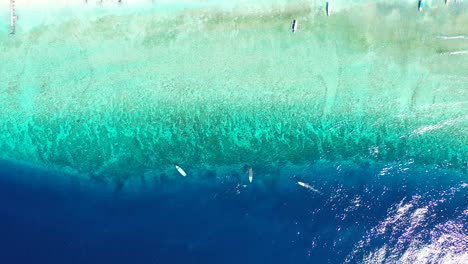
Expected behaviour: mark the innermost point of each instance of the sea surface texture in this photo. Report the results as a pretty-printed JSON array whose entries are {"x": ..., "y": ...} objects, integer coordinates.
[{"x": 353, "y": 128}]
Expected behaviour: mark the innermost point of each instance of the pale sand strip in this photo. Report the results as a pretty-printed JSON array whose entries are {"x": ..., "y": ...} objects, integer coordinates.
[{"x": 337, "y": 4}]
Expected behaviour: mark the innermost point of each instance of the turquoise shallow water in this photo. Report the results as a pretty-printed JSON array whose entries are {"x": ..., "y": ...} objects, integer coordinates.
[
  {"x": 119, "y": 91},
  {"x": 367, "y": 106}
]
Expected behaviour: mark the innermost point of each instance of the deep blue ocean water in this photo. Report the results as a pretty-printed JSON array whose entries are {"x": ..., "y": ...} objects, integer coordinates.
[{"x": 357, "y": 214}]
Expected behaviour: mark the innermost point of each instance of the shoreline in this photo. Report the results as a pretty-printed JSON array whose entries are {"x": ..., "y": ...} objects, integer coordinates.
[{"x": 54, "y": 11}]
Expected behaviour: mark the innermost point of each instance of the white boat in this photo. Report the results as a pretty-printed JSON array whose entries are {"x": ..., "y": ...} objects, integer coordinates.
[
  {"x": 303, "y": 184},
  {"x": 180, "y": 170},
  {"x": 328, "y": 8},
  {"x": 307, "y": 186},
  {"x": 294, "y": 25},
  {"x": 250, "y": 174},
  {"x": 420, "y": 5}
]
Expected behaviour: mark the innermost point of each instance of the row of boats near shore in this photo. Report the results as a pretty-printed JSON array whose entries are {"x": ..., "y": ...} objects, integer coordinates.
[
  {"x": 328, "y": 11},
  {"x": 294, "y": 27}
]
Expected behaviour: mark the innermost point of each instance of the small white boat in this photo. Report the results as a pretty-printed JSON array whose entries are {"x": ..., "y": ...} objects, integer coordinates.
[
  {"x": 294, "y": 25},
  {"x": 420, "y": 5},
  {"x": 180, "y": 170},
  {"x": 250, "y": 174},
  {"x": 307, "y": 186},
  {"x": 328, "y": 8}
]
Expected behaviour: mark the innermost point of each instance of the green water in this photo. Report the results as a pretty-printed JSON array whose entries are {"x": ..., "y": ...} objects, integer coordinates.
[{"x": 114, "y": 93}]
